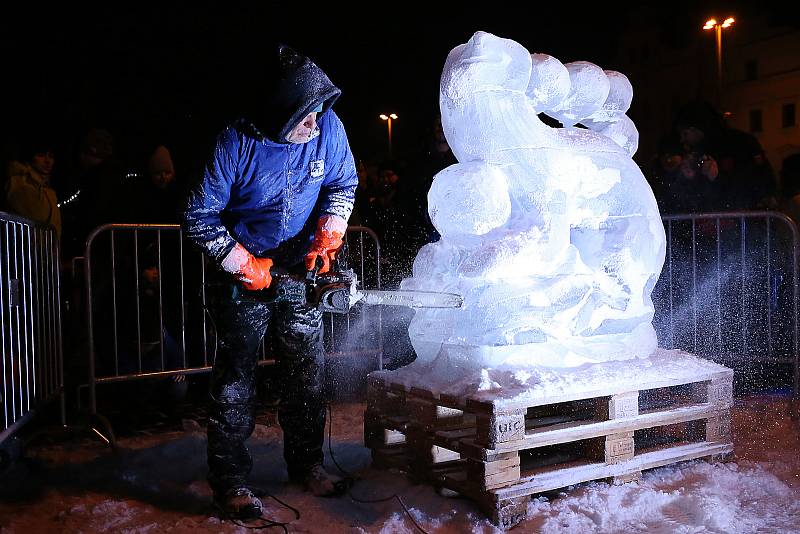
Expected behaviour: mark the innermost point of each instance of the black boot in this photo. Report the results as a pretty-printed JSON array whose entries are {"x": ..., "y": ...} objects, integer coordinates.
[
  {"x": 239, "y": 503},
  {"x": 319, "y": 482}
]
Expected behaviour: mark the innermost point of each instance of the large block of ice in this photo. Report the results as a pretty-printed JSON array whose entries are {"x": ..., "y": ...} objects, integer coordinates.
[{"x": 552, "y": 235}]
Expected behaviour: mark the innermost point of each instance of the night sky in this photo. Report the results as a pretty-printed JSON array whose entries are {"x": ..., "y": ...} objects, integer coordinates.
[{"x": 177, "y": 74}]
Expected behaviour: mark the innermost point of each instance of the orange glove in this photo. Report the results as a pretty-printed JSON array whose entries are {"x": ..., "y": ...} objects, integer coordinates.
[
  {"x": 327, "y": 241},
  {"x": 252, "y": 272}
]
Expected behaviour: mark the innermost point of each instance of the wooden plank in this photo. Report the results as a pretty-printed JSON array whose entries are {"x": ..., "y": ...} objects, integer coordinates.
[
  {"x": 587, "y": 429},
  {"x": 397, "y": 387},
  {"x": 501, "y": 472},
  {"x": 538, "y": 481},
  {"x": 421, "y": 444},
  {"x": 391, "y": 437},
  {"x": 396, "y": 422},
  {"x": 720, "y": 392},
  {"x": 506, "y": 514},
  {"x": 550, "y": 420},
  {"x": 451, "y": 439},
  {"x": 456, "y": 434},
  {"x": 440, "y": 455},
  {"x": 718, "y": 428},
  {"x": 386, "y": 402},
  {"x": 423, "y": 393},
  {"x": 498, "y": 428},
  {"x": 454, "y": 401},
  {"x": 623, "y": 405},
  {"x": 504, "y": 402},
  {"x": 619, "y": 448},
  {"x": 427, "y": 413}
]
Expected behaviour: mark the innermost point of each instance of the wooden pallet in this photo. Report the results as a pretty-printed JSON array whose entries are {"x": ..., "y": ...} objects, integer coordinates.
[{"x": 500, "y": 452}]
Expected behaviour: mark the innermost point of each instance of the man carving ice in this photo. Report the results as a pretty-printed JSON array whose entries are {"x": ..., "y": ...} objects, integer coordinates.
[{"x": 277, "y": 191}]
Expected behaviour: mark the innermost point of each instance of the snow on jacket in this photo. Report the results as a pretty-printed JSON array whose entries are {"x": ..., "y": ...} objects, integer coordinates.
[
  {"x": 266, "y": 193},
  {"x": 263, "y": 194},
  {"x": 29, "y": 195}
]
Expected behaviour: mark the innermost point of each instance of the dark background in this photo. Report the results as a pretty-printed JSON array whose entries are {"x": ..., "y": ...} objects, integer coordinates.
[{"x": 176, "y": 74}]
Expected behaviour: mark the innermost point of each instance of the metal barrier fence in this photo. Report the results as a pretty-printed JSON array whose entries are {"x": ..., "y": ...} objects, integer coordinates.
[
  {"x": 146, "y": 296},
  {"x": 31, "y": 359},
  {"x": 729, "y": 288},
  {"x": 728, "y": 291}
]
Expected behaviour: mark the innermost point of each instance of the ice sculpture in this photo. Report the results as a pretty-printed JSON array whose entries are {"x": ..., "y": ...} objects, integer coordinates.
[{"x": 552, "y": 235}]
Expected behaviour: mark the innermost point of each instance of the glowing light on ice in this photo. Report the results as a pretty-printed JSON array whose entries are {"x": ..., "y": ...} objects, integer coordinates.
[{"x": 552, "y": 235}]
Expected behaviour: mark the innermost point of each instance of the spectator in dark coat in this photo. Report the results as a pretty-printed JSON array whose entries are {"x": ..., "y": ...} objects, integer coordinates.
[{"x": 705, "y": 165}]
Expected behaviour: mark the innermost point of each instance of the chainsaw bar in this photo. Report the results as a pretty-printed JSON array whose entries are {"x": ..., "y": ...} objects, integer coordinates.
[{"x": 411, "y": 299}]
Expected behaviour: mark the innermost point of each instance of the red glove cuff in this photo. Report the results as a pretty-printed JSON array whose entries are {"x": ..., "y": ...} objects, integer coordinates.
[
  {"x": 327, "y": 241},
  {"x": 252, "y": 272}
]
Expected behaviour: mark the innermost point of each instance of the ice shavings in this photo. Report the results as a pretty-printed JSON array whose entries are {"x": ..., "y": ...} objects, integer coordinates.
[{"x": 756, "y": 493}]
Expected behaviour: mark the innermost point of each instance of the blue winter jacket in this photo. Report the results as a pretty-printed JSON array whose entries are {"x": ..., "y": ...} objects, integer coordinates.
[{"x": 268, "y": 196}]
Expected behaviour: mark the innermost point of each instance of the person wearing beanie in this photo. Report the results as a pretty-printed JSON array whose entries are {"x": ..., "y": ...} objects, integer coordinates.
[
  {"x": 277, "y": 191},
  {"x": 28, "y": 190}
]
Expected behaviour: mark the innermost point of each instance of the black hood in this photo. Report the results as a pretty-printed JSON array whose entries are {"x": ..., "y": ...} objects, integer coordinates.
[{"x": 299, "y": 86}]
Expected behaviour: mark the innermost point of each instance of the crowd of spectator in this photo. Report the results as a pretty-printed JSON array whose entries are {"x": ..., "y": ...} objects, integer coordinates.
[{"x": 702, "y": 165}]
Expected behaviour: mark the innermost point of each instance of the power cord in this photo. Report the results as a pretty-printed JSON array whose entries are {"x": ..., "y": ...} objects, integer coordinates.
[
  {"x": 350, "y": 479},
  {"x": 265, "y": 522},
  {"x": 353, "y": 479}
]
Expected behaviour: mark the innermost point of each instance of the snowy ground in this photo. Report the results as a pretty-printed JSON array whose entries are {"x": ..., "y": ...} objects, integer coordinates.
[{"x": 155, "y": 483}]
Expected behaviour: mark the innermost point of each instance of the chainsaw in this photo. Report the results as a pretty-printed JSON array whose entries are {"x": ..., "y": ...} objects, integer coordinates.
[{"x": 337, "y": 292}]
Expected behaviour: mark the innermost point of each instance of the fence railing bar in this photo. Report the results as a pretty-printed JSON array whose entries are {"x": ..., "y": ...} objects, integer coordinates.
[
  {"x": 182, "y": 297},
  {"x": 114, "y": 302},
  {"x": 4, "y": 292},
  {"x": 137, "y": 287},
  {"x": 160, "y": 301}
]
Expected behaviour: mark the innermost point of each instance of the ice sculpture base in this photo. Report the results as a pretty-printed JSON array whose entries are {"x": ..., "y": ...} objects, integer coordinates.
[
  {"x": 452, "y": 373},
  {"x": 561, "y": 354}
]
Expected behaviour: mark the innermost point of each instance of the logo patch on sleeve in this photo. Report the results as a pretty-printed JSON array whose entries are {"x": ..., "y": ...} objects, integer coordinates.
[{"x": 317, "y": 168}]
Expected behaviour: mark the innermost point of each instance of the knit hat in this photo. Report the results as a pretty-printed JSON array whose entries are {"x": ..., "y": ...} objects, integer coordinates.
[
  {"x": 300, "y": 88},
  {"x": 33, "y": 143}
]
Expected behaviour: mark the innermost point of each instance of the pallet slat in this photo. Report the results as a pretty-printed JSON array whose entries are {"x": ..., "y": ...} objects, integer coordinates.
[
  {"x": 577, "y": 430},
  {"x": 538, "y": 482}
]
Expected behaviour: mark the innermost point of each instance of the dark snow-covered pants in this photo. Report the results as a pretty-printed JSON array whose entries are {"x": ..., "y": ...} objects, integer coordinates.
[{"x": 294, "y": 332}]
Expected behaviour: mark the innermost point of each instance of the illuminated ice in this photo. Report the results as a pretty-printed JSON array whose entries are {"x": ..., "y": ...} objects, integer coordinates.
[
  {"x": 472, "y": 200},
  {"x": 552, "y": 235}
]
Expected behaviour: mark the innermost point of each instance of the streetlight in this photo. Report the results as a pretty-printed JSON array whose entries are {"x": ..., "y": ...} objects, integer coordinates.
[
  {"x": 712, "y": 24},
  {"x": 389, "y": 124}
]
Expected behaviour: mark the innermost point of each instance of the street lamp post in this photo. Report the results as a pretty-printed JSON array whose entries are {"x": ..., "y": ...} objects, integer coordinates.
[
  {"x": 389, "y": 119},
  {"x": 712, "y": 24}
]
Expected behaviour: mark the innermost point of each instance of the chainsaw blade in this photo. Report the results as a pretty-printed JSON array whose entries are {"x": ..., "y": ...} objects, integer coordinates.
[{"x": 411, "y": 299}]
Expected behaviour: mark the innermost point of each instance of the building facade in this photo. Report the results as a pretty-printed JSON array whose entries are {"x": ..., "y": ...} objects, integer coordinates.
[{"x": 671, "y": 63}]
